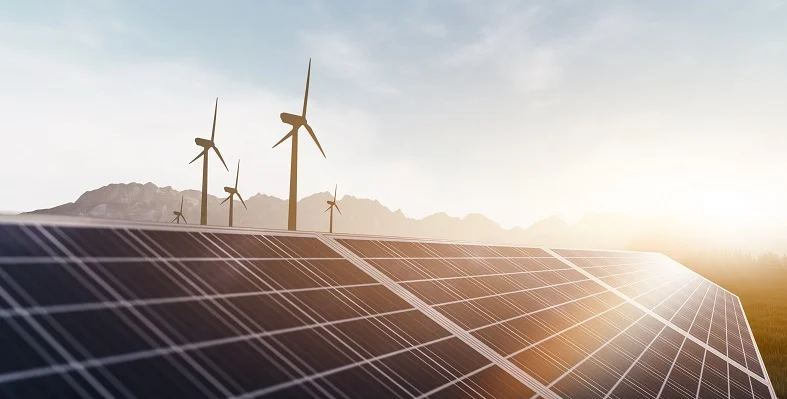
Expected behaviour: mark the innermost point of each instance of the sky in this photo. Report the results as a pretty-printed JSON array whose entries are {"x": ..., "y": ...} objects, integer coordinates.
[{"x": 518, "y": 110}]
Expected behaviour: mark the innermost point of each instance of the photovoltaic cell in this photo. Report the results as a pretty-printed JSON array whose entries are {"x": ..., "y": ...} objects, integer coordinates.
[
  {"x": 566, "y": 327},
  {"x": 709, "y": 315},
  {"x": 131, "y": 310}
]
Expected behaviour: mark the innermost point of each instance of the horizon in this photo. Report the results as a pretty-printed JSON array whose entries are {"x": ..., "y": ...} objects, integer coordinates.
[
  {"x": 389, "y": 207},
  {"x": 697, "y": 234}
]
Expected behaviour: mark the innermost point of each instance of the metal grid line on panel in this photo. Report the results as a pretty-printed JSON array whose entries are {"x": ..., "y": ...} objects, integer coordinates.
[
  {"x": 200, "y": 369},
  {"x": 672, "y": 366},
  {"x": 103, "y": 361},
  {"x": 312, "y": 377},
  {"x": 757, "y": 373},
  {"x": 566, "y": 287},
  {"x": 690, "y": 336},
  {"x": 569, "y": 371},
  {"x": 105, "y": 259},
  {"x": 759, "y": 356},
  {"x": 535, "y": 312},
  {"x": 738, "y": 327},
  {"x": 558, "y": 333},
  {"x": 635, "y": 362},
  {"x": 446, "y": 323},
  {"x": 547, "y": 338},
  {"x": 447, "y": 370},
  {"x": 114, "y": 383},
  {"x": 706, "y": 346},
  {"x": 581, "y": 323},
  {"x": 610, "y": 343},
  {"x": 278, "y": 353},
  {"x": 77, "y": 307},
  {"x": 454, "y": 382}
]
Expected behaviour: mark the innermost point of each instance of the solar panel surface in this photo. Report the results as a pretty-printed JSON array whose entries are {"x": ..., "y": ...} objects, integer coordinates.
[{"x": 132, "y": 310}]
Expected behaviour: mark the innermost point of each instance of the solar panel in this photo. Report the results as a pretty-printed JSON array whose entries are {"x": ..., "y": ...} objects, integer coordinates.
[
  {"x": 102, "y": 309},
  {"x": 582, "y": 323}
]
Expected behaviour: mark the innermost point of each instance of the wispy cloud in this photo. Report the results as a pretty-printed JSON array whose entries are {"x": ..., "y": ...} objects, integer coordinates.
[
  {"x": 515, "y": 47},
  {"x": 91, "y": 125},
  {"x": 348, "y": 59}
]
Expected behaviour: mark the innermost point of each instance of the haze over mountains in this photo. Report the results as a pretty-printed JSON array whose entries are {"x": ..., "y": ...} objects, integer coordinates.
[{"x": 149, "y": 202}]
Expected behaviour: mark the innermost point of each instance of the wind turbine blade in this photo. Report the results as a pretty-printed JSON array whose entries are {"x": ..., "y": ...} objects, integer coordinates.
[
  {"x": 215, "y": 110},
  {"x": 306, "y": 95},
  {"x": 241, "y": 200},
  {"x": 226, "y": 199},
  {"x": 329, "y": 208},
  {"x": 311, "y": 133},
  {"x": 236, "y": 176},
  {"x": 181, "y": 204},
  {"x": 337, "y": 208},
  {"x": 173, "y": 220},
  {"x": 184, "y": 219},
  {"x": 336, "y": 187},
  {"x": 197, "y": 157},
  {"x": 286, "y": 136},
  {"x": 220, "y": 157}
]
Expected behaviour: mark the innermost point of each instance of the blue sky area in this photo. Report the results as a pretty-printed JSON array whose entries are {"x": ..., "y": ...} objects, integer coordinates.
[{"x": 515, "y": 109}]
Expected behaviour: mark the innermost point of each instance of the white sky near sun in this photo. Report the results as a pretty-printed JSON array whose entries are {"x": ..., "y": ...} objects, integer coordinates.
[{"x": 516, "y": 110}]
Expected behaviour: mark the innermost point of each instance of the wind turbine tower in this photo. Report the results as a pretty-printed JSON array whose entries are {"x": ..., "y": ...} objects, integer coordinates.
[
  {"x": 297, "y": 121},
  {"x": 206, "y": 146},
  {"x": 233, "y": 191},
  {"x": 331, "y": 205}
]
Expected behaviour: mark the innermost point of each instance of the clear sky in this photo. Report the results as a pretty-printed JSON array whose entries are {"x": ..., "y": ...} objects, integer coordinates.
[{"x": 515, "y": 109}]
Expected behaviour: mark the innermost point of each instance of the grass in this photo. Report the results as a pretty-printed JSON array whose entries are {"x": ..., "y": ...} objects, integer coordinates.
[{"x": 761, "y": 284}]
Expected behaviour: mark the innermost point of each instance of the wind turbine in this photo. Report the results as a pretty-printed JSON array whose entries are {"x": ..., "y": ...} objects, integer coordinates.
[
  {"x": 206, "y": 146},
  {"x": 296, "y": 121},
  {"x": 233, "y": 191},
  {"x": 179, "y": 214},
  {"x": 331, "y": 205}
]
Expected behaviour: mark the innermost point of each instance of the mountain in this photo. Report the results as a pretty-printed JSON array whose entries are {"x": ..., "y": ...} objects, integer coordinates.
[{"x": 149, "y": 202}]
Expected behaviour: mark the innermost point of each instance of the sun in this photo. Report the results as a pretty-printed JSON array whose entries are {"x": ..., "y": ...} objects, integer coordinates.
[
  {"x": 722, "y": 206},
  {"x": 709, "y": 201}
]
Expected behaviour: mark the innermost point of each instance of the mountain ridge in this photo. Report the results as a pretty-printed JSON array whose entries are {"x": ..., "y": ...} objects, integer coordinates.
[{"x": 149, "y": 202}]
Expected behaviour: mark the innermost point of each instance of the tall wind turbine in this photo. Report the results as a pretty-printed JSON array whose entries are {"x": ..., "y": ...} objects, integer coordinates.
[
  {"x": 296, "y": 121},
  {"x": 206, "y": 146},
  {"x": 233, "y": 191},
  {"x": 331, "y": 205},
  {"x": 179, "y": 214}
]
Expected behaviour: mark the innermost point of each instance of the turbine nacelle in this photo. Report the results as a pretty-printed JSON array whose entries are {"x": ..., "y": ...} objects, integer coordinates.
[
  {"x": 295, "y": 121},
  {"x": 204, "y": 143},
  {"x": 331, "y": 203},
  {"x": 230, "y": 190}
]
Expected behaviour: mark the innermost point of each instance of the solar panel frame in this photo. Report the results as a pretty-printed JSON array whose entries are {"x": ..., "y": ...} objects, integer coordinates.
[
  {"x": 601, "y": 254},
  {"x": 448, "y": 336},
  {"x": 446, "y": 323},
  {"x": 752, "y": 375},
  {"x": 758, "y": 386}
]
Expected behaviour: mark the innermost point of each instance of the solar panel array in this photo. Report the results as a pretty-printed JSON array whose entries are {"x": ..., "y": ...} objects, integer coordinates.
[{"x": 132, "y": 310}]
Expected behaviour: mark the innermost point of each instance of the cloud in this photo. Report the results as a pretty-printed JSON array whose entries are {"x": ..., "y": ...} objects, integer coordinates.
[
  {"x": 77, "y": 126},
  {"x": 514, "y": 43},
  {"x": 347, "y": 59}
]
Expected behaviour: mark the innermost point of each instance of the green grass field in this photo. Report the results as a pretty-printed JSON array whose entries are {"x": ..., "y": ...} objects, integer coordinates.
[{"x": 761, "y": 284}]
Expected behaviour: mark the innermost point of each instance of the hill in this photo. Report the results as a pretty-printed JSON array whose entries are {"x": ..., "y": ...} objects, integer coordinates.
[{"x": 365, "y": 216}]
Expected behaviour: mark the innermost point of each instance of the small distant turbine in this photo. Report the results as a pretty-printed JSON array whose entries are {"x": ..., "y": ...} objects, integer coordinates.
[
  {"x": 331, "y": 205},
  {"x": 233, "y": 191},
  {"x": 296, "y": 121},
  {"x": 179, "y": 214},
  {"x": 206, "y": 146}
]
